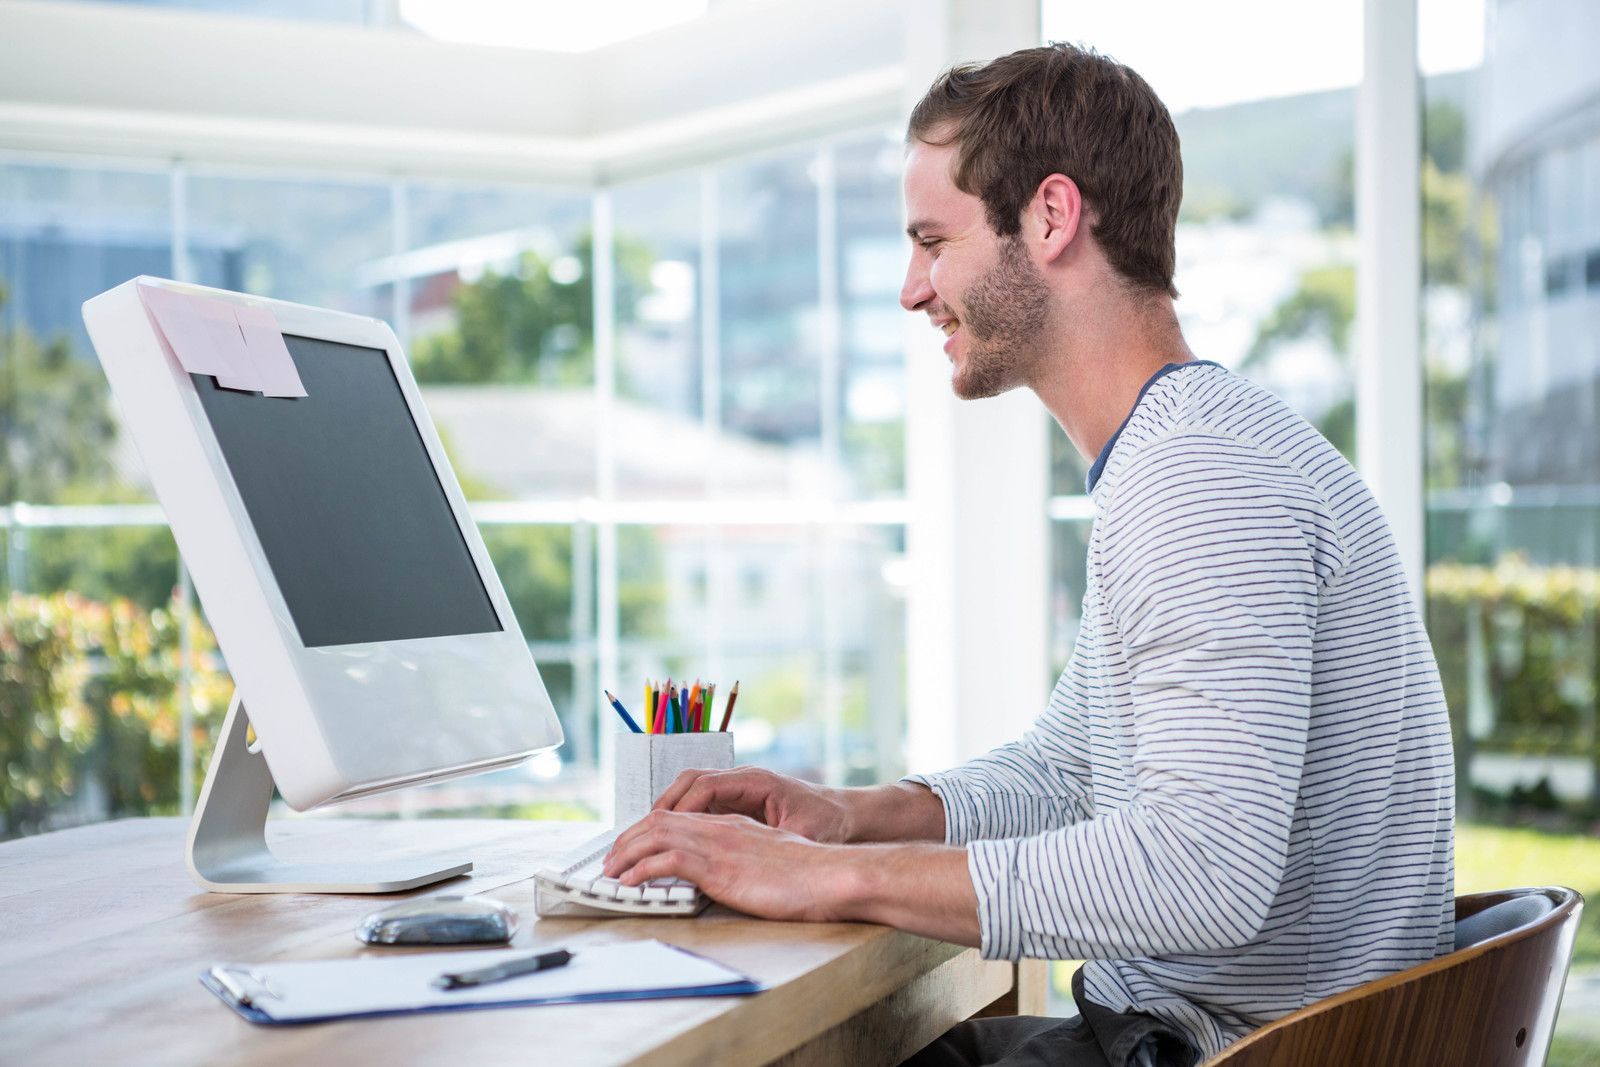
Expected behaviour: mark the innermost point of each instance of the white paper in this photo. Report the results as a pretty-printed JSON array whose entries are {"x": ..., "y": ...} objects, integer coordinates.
[{"x": 324, "y": 988}]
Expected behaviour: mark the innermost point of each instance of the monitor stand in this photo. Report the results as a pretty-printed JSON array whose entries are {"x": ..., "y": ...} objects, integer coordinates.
[{"x": 228, "y": 851}]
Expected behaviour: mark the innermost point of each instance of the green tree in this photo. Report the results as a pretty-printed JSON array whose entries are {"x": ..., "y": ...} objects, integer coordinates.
[
  {"x": 535, "y": 324},
  {"x": 89, "y": 693},
  {"x": 56, "y": 428},
  {"x": 57, "y": 433},
  {"x": 1323, "y": 304}
]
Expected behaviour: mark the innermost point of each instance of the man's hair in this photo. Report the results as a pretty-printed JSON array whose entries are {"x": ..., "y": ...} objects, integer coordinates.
[{"x": 1061, "y": 109}]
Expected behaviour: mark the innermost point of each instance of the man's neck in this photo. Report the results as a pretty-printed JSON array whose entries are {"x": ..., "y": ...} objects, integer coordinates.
[{"x": 1092, "y": 380}]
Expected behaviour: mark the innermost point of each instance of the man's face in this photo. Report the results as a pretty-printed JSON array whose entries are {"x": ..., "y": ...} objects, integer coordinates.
[{"x": 981, "y": 290}]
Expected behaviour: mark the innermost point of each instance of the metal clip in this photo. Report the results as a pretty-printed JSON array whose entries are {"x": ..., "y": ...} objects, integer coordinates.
[{"x": 230, "y": 979}]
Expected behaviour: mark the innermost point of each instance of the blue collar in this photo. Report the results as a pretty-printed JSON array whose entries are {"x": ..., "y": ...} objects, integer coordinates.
[{"x": 1105, "y": 452}]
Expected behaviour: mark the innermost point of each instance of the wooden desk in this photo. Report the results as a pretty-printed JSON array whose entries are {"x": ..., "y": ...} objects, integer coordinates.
[{"x": 103, "y": 935}]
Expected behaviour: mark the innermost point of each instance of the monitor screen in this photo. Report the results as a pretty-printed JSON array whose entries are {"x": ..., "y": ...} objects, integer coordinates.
[{"x": 344, "y": 500}]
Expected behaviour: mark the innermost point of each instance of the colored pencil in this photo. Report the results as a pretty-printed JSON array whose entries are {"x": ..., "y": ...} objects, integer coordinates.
[
  {"x": 733, "y": 694},
  {"x": 622, "y": 711}
]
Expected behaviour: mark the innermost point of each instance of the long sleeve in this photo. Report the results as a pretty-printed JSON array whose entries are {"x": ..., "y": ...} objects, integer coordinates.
[
  {"x": 1038, "y": 783},
  {"x": 1208, "y": 575}
]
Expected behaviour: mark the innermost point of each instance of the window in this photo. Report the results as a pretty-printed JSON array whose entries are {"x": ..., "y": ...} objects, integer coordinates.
[
  {"x": 718, "y": 455},
  {"x": 1511, "y": 216},
  {"x": 1265, "y": 241}
]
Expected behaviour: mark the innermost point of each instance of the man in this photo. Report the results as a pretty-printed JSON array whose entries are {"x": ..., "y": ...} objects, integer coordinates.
[{"x": 1240, "y": 798}]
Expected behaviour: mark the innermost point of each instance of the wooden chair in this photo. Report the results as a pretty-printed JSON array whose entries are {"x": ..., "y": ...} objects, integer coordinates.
[{"x": 1492, "y": 1001}]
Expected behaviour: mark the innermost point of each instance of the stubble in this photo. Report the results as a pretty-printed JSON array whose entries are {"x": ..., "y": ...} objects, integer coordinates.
[{"x": 1006, "y": 313}]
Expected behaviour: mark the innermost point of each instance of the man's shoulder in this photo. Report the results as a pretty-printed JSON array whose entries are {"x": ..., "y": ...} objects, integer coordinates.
[{"x": 1202, "y": 417}]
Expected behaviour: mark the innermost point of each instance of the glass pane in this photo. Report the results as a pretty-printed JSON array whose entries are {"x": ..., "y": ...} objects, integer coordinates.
[
  {"x": 346, "y": 12},
  {"x": 67, "y": 234},
  {"x": 1511, "y": 305},
  {"x": 138, "y": 563},
  {"x": 1266, "y": 253},
  {"x": 745, "y": 604},
  {"x": 308, "y": 240},
  {"x": 498, "y": 303},
  {"x": 1069, "y": 561},
  {"x": 1069, "y": 471},
  {"x": 663, "y": 447},
  {"x": 872, "y": 251},
  {"x": 871, "y": 638},
  {"x": 768, "y": 324}
]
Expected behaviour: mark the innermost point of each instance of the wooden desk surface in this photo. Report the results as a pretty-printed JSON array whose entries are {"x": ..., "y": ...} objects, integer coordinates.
[{"x": 103, "y": 936}]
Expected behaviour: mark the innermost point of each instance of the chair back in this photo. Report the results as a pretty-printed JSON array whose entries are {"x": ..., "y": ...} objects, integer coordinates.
[{"x": 1492, "y": 1001}]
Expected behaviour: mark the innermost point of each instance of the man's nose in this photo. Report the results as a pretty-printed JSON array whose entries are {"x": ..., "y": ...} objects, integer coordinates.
[{"x": 916, "y": 291}]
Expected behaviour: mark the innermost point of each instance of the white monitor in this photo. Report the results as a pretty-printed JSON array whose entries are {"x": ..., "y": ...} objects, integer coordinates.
[{"x": 371, "y": 643}]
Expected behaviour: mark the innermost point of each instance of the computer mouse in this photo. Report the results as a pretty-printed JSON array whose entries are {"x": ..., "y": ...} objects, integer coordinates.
[{"x": 446, "y": 920}]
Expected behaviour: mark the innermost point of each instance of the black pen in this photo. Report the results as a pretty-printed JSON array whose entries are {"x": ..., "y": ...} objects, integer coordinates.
[{"x": 501, "y": 971}]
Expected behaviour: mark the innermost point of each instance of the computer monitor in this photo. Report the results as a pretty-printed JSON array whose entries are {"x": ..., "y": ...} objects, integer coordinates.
[{"x": 371, "y": 644}]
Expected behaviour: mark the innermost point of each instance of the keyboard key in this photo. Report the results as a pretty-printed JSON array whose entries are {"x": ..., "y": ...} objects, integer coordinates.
[
  {"x": 682, "y": 893},
  {"x": 630, "y": 892},
  {"x": 607, "y": 887},
  {"x": 655, "y": 892}
]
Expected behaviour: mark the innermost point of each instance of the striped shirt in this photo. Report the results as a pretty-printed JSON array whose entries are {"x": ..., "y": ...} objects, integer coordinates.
[{"x": 1240, "y": 798}]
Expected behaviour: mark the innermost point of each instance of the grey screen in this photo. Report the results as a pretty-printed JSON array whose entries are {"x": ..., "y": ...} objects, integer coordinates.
[{"x": 345, "y": 502}]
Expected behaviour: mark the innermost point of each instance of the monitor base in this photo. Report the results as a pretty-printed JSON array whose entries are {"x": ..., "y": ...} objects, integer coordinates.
[{"x": 228, "y": 851}]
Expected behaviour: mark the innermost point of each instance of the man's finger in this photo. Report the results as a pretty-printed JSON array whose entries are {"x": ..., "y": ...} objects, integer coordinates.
[
  {"x": 715, "y": 792},
  {"x": 680, "y": 785},
  {"x": 627, "y": 838},
  {"x": 657, "y": 832},
  {"x": 673, "y": 863},
  {"x": 646, "y": 837}
]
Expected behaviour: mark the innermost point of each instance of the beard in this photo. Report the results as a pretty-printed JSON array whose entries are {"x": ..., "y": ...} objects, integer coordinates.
[{"x": 1006, "y": 312}]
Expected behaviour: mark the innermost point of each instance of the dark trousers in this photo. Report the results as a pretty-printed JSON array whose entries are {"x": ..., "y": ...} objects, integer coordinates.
[{"x": 1096, "y": 1037}]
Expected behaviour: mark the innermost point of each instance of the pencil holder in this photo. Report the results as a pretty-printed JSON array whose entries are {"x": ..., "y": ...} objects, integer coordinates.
[{"x": 647, "y": 764}]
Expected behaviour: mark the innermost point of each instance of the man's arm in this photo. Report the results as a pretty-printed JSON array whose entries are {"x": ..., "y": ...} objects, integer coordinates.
[
  {"x": 1209, "y": 586},
  {"x": 1035, "y": 784}
]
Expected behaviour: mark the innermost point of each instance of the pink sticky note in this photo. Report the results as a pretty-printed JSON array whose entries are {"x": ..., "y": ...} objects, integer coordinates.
[
  {"x": 204, "y": 336},
  {"x": 184, "y": 331},
  {"x": 264, "y": 341}
]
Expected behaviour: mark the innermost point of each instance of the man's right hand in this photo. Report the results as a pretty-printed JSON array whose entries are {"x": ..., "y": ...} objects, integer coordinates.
[{"x": 813, "y": 811}]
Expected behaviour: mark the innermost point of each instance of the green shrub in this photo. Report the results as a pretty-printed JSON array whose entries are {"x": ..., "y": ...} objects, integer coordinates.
[
  {"x": 89, "y": 695},
  {"x": 45, "y": 728},
  {"x": 1518, "y": 652}
]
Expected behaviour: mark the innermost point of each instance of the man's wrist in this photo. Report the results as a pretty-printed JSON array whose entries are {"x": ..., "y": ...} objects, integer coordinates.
[
  {"x": 922, "y": 888},
  {"x": 900, "y": 811}
]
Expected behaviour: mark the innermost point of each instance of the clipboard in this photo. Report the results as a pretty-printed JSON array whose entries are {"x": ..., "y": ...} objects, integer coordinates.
[{"x": 300, "y": 992}]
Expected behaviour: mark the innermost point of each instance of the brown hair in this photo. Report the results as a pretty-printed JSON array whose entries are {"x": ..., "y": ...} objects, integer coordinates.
[{"x": 1061, "y": 109}]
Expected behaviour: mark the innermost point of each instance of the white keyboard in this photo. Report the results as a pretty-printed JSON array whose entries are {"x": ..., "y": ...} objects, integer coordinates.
[{"x": 574, "y": 886}]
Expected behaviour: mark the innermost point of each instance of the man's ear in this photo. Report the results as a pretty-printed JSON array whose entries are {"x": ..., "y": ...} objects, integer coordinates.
[{"x": 1054, "y": 215}]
